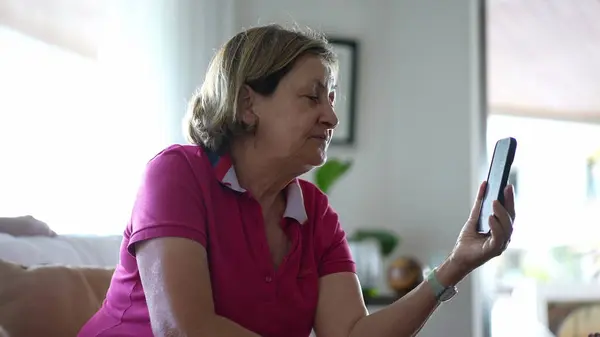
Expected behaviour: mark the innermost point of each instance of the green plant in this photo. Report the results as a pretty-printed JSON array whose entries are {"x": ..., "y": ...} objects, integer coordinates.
[{"x": 329, "y": 173}]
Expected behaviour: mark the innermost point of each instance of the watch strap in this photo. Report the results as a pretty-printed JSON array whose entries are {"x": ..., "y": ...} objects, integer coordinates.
[
  {"x": 442, "y": 293},
  {"x": 435, "y": 284}
]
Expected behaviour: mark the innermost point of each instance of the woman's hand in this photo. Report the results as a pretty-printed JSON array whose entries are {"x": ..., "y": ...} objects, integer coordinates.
[{"x": 472, "y": 248}]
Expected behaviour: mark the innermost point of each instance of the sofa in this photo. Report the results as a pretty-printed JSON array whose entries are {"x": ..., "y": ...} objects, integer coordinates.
[{"x": 50, "y": 285}]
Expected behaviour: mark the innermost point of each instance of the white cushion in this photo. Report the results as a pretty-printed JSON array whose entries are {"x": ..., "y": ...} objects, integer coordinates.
[{"x": 100, "y": 251}]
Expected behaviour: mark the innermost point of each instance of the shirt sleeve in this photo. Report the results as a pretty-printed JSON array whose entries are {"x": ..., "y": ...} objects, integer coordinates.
[
  {"x": 336, "y": 256},
  {"x": 169, "y": 202}
]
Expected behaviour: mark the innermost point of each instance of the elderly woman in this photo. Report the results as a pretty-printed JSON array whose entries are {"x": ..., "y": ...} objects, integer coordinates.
[{"x": 225, "y": 240}]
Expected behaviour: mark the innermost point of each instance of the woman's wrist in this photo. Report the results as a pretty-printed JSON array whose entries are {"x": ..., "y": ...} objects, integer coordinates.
[{"x": 451, "y": 272}]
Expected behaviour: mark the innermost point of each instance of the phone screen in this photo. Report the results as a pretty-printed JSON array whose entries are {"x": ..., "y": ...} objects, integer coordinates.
[{"x": 496, "y": 182}]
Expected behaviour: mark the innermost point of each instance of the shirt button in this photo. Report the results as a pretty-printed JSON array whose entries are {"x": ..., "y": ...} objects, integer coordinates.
[{"x": 268, "y": 279}]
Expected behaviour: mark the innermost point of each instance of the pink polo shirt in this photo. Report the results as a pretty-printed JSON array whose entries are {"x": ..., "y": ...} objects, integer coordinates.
[{"x": 192, "y": 193}]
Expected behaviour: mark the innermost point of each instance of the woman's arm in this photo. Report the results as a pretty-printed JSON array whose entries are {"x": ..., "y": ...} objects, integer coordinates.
[
  {"x": 176, "y": 281},
  {"x": 341, "y": 311}
]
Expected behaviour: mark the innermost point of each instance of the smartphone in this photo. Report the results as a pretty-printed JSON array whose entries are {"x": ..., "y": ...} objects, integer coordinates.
[{"x": 497, "y": 179}]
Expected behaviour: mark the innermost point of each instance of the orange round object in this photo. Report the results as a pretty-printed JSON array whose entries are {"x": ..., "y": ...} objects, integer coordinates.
[{"x": 404, "y": 274}]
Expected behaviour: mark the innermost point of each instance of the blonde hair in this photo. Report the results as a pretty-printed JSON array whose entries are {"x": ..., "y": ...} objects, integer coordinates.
[{"x": 258, "y": 57}]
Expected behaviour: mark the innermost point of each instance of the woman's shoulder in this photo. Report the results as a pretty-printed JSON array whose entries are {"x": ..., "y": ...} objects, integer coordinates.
[
  {"x": 179, "y": 160},
  {"x": 180, "y": 150},
  {"x": 180, "y": 154}
]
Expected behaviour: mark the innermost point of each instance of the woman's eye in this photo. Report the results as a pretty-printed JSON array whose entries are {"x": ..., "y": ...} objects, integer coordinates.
[{"x": 313, "y": 98}]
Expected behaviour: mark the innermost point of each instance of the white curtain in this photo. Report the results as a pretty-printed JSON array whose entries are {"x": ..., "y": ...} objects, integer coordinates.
[{"x": 76, "y": 129}]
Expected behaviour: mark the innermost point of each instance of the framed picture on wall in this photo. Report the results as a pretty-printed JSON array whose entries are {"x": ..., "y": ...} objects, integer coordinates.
[{"x": 345, "y": 105}]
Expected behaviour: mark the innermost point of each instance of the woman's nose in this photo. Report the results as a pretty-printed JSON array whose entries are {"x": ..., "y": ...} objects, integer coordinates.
[{"x": 329, "y": 117}]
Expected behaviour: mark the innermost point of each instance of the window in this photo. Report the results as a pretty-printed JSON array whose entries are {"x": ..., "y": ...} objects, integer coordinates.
[
  {"x": 72, "y": 153},
  {"x": 552, "y": 165},
  {"x": 556, "y": 224}
]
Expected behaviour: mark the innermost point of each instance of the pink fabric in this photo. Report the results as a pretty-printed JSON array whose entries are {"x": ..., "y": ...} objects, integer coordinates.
[{"x": 183, "y": 195}]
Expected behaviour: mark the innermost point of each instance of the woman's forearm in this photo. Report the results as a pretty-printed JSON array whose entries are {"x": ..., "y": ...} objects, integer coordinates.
[
  {"x": 216, "y": 326},
  {"x": 225, "y": 327},
  {"x": 406, "y": 316}
]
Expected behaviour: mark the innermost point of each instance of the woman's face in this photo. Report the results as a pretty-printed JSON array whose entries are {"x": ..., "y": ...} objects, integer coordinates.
[{"x": 296, "y": 122}]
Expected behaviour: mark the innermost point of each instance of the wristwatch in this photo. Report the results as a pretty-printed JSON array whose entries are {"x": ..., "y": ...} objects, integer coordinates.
[{"x": 442, "y": 293}]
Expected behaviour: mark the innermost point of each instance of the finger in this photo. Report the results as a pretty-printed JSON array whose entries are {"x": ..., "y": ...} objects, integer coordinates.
[
  {"x": 503, "y": 218},
  {"x": 477, "y": 204},
  {"x": 498, "y": 238},
  {"x": 509, "y": 200}
]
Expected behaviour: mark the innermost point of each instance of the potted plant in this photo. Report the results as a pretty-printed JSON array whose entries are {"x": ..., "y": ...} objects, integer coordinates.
[{"x": 329, "y": 173}]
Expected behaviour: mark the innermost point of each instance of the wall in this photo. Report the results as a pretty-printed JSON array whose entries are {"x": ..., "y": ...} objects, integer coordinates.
[{"x": 419, "y": 129}]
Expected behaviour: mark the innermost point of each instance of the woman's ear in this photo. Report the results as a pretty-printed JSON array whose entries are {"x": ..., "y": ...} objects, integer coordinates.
[{"x": 246, "y": 100}]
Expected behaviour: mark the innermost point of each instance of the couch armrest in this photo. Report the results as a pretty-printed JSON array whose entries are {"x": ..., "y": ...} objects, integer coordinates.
[{"x": 50, "y": 300}]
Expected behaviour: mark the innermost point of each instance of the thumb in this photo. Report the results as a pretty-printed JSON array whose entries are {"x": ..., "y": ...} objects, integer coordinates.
[{"x": 474, "y": 215}]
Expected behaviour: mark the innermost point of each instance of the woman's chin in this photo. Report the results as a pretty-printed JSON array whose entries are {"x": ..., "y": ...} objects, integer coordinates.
[
  {"x": 312, "y": 157},
  {"x": 318, "y": 159}
]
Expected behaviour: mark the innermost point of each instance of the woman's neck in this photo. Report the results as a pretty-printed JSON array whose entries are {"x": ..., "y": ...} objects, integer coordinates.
[{"x": 263, "y": 176}]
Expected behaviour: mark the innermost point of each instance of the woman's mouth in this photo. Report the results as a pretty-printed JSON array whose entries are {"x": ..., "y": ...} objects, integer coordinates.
[{"x": 322, "y": 137}]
